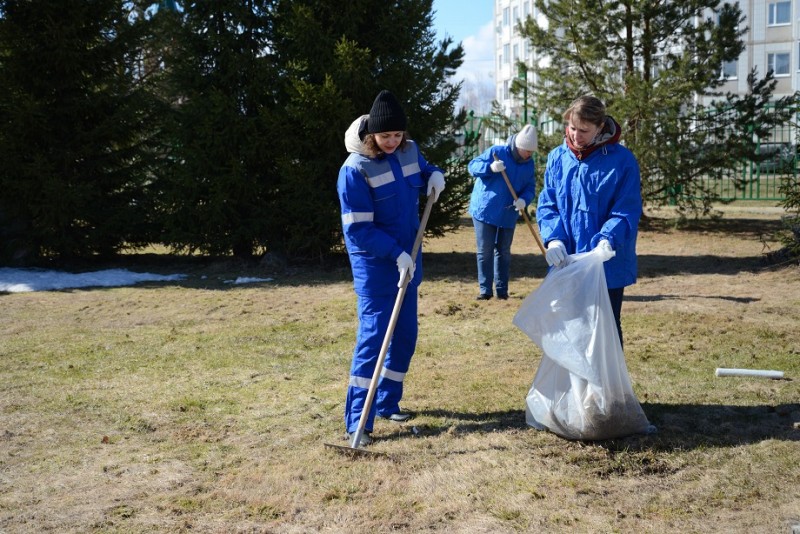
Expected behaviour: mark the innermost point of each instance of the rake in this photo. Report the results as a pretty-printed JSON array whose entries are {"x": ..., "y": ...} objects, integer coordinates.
[
  {"x": 522, "y": 211},
  {"x": 354, "y": 449}
]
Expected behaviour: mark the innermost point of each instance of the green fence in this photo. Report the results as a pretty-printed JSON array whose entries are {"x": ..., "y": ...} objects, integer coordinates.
[
  {"x": 750, "y": 180},
  {"x": 762, "y": 180}
]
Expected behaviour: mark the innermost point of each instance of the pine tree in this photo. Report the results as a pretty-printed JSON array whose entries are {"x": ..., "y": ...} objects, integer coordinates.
[
  {"x": 334, "y": 58},
  {"x": 790, "y": 231},
  {"x": 652, "y": 63},
  {"x": 76, "y": 141},
  {"x": 217, "y": 174},
  {"x": 263, "y": 92}
]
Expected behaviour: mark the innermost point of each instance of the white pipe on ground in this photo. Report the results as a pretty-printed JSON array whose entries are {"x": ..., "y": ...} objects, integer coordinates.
[{"x": 721, "y": 371}]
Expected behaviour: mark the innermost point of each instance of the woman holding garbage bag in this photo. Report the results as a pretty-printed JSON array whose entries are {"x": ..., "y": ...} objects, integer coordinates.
[
  {"x": 592, "y": 197},
  {"x": 494, "y": 210},
  {"x": 379, "y": 186},
  {"x": 590, "y": 206}
]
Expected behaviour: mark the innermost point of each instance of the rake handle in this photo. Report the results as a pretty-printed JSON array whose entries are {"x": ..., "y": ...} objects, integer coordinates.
[
  {"x": 522, "y": 211},
  {"x": 387, "y": 339}
]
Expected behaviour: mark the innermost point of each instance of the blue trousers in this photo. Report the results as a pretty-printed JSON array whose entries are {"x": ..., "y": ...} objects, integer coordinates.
[
  {"x": 373, "y": 317},
  {"x": 615, "y": 296},
  {"x": 494, "y": 256}
]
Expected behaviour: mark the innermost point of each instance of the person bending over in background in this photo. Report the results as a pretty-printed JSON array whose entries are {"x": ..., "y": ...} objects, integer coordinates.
[
  {"x": 379, "y": 186},
  {"x": 592, "y": 197},
  {"x": 494, "y": 210}
]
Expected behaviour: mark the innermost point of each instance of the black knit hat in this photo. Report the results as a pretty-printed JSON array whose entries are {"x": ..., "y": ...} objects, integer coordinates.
[{"x": 386, "y": 114}]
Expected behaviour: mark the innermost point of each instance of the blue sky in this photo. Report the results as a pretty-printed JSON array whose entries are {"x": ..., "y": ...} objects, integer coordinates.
[
  {"x": 460, "y": 21},
  {"x": 471, "y": 23}
]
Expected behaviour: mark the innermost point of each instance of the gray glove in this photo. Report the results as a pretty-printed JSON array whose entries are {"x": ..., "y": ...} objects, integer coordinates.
[{"x": 519, "y": 204}]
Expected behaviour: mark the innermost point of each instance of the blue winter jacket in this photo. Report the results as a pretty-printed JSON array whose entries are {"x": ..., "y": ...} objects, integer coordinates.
[
  {"x": 585, "y": 201},
  {"x": 491, "y": 201},
  {"x": 379, "y": 198}
]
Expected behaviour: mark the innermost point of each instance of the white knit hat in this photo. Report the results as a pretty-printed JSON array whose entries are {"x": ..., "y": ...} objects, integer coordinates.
[{"x": 526, "y": 139}]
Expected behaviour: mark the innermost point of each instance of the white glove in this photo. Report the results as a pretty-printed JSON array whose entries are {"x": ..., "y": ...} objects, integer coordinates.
[
  {"x": 605, "y": 247},
  {"x": 405, "y": 265},
  {"x": 519, "y": 204},
  {"x": 497, "y": 166},
  {"x": 556, "y": 254},
  {"x": 603, "y": 244},
  {"x": 436, "y": 185}
]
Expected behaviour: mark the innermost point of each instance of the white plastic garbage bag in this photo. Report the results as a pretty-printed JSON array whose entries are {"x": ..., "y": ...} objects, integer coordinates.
[{"x": 581, "y": 389}]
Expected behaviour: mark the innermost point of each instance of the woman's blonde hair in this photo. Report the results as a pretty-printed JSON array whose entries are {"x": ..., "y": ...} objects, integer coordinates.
[
  {"x": 587, "y": 108},
  {"x": 372, "y": 146}
]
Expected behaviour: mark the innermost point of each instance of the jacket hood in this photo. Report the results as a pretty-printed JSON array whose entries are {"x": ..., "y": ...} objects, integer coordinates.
[{"x": 352, "y": 141}]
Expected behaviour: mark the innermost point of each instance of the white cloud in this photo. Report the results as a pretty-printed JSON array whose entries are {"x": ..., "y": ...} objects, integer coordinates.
[{"x": 477, "y": 71}]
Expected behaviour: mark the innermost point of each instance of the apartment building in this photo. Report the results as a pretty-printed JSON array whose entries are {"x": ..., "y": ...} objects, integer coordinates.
[
  {"x": 772, "y": 41},
  {"x": 510, "y": 48}
]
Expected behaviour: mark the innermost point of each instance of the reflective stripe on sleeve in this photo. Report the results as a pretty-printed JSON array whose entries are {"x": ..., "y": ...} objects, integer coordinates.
[{"x": 357, "y": 216}]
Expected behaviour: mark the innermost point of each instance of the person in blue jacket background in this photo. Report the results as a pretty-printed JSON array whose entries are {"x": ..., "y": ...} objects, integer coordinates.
[
  {"x": 494, "y": 210},
  {"x": 379, "y": 186},
  {"x": 592, "y": 197}
]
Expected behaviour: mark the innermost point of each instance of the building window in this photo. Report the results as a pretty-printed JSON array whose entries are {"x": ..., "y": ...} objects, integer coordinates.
[
  {"x": 730, "y": 70},
  {"x": 506, "y": 17},
  {"x": 778, "y": 63},
  {"x": 526, "y": 9},
  {"x": 780, "y": 13},
  {"x": 505, "y": 89},
  {"x": 506, "y": 53},
  {"x": 656, "y": 66},
  {"x": 516, "y": 53}
]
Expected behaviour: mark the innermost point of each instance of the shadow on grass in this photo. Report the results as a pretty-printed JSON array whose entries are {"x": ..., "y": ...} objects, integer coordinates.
[
  {"x": 692, "y": 426},
  {"x": 438, "y": 267},
  {"x": 680, "y": 426},
  {"x": 462, "y": 265},
  {"x": 744, "y": 227},
  {"x": 653, "y": 266},
  {"x": 658, "y": 298},
  {"x": 218, "y": 273}
]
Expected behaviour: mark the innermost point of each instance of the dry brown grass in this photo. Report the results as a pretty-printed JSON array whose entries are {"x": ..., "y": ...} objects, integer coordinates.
[{"x": 202, "y": 407}]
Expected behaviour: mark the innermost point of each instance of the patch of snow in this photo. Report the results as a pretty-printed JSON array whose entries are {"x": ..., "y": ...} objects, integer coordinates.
[
  {"x": 247, "y": 280},
  {"x": 24, "y": 280}
]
